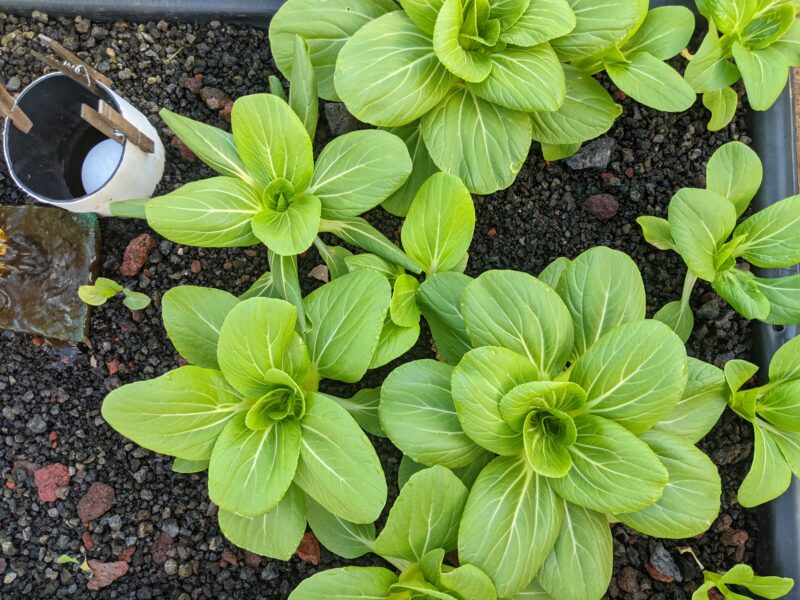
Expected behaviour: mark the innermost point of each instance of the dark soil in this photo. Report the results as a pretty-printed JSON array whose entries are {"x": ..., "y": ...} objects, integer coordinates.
[{"x": 51, "y": 397}]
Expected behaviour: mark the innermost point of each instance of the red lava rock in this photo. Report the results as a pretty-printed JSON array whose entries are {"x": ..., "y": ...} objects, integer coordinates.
[
  {"x": 104, "y": 574},
  {"x": 2, "y": 565},
  {"x": 214, "y": 98},
  {"x": 226, "y": 111},
  {"x": 228, "y": 558},
  {"x": 127, "y": 554},
  {"x": 12, "y": 485},
  {"x": 37, "y": 341},
  {"x": 137, "y": 316},
  {"x": 136, "y": 254},
  {"x": 252, "y": 560},
  {"x": 620, "y": 95},
  {"x": 736, "y": 538},
  {"x": 602, "y": 206},
  {"x": 96, "y": 502},
  {"x": 308, "y": 551},
  {"x": 491, "y": 232},
  {"x": 653, "y": 572},
  {"x": 194, "y": 84},
  {"x": 629, "y": 173},
  {"x": 183, "y": 149},
  {"x": 86, "y": 539},
  {"x": 162, "y": 547},
  {"x": 113, "y": 367},
  {"x": 714, "y": 594},
  {"x": 627, "y": 580},
  {"x": 48, "y": 479},
  {"x": 196, "y": 267}
]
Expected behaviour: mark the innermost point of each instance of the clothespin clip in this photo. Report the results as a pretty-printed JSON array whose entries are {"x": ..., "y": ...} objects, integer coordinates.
[
  {"x": 114, "y": 126},
  {"x": 9, "y": 108},
  {"x": 71, "y": 66}
]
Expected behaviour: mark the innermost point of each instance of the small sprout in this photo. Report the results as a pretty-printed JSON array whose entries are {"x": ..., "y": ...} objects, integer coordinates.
[
  {"x": 743, "y": 576},
  {"x": 66, "y": 558},
  {"x": 104, "y": 288}
]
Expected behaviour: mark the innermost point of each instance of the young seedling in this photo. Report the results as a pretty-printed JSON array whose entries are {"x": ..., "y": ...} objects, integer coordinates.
[
  {"x": 582, "y": 409},
  {"x": 773, "y": 410},
  {"x": 421, "y": 529},
  {"x": 743, "y": 576},
  {"x": 462, "y": 74},
  {"x": 249, "y": 406},
  {"x": 756, "y": 41},
  {"x": 701, "y": 227},
  {"x": 65, "y": 559},
  {"x": 105, "y": 289}
]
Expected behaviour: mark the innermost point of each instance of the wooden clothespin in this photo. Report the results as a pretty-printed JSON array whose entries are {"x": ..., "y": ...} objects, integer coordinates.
[
  {"x": 114, "y": 126},
  {"x": 73, "y": 60},
  {"x": 77, "y": 73},
  {"x": 9, "y": 108}
]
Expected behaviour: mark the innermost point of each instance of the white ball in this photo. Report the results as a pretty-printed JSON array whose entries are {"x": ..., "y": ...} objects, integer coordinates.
[{"x": 100, "y": 164}]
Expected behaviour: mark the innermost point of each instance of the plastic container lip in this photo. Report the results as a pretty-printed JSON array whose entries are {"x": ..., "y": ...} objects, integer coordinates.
[{"x": 111, "y": 98}]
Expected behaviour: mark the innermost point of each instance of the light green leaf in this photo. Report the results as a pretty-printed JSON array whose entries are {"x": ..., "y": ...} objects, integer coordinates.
[
  {"x": 552, "y": 273},
  {"x": 779, "y": 406},
  {"x": 180, "y": 413},
  {"x": 511, "y": 512},
  {"x": 325, "y": 28},
  {"x": 602, "y": 289},
  {"x": 722, "y": 104},
  {"x": 765, "y": 73},
  {"x": 665, "y": 31},
  {"x": 691, "y": 499},
  {"x": 338, "y": 466},
  {"x": 703, "y": 401},
  {"x": 773, "y": 235},
  {"x": 181, "y": 465},
  {"x": 263, "y": 287},
  {"x": 678, "y": 317},
  {"x": 272, "y": 141},
  {"x": 740, "y": 290},
  {"x": 136, "y": 300},
  {"x": 335, "y": 258},
  {"x": 291, "y": 231},
  {"x": 554, "y": 152},
  {"x": 598, "y": 26},
  {"x": 439, "y": 299},
  {"x": 507, "y": 12},
  {"x": 543, "y": 21},
  {"x": 418, "y": 415},
  {"x": 516, "y": 311},
  {"x": 783, "y": 295},
  {"x": 422, "y": 168},
  {"x": 193, "y": 317},
  {"x": 652, "y": 82},
  {"x": 372, "y": 262},
  {"x": 403, "y": 308},
  {"x": 588, "y": 112},
  {"x": 656, "y": 232},
  {"x": 731, "y": 16},
  {"x": 358, "y": 171},
  {"x": 789, "y": 45},
  {"x": 212, "y": 213},
  {"x": 423, "y": 12},
  {"x": 347, "y": 583},
  {"x": 341, "y": 537},
  {"x": 441, "y": 221},
  {"x": 769, "y": 475},
  {"x": 358, "y": 232},
  {"x": 469, "y": 65},
  {"x": 276, "y": 87},
  {"x": 524, "y": 79},
  {"x": 700, "y": 221},
  {"x": 738, "y": 373},
  {"x": 275, "y": 534},
  {"x": 363, "y": 407},
  {"x": 768, "y": 587},
  {"x": 251, "y": 471},
  {"x": 425, "y": 516},
  {"x": 255, "y": 337},
  {"x": 303, "y": 89},
  {"x": 641, "y": 390},
  {"x": 768, "y": 27},
  {"x": 346, "y": 318},
  {"x": 388, "y": 73},
  {"x": 483, "y": 144},
  {"x": 710, "y": 70},
  {"x": 613, "y": 471},
  {"x": 129, "y": 209},
  {"x": 286, "y": 283},
  {"x": 394, "y": 341},
  {"x": 735, "y": 173},
  {"x": 466, "y": 580},
  {"x": 479, "y": 382},
  {"x": 212, "y": 145},
  {"x": 785, "y": 363},
  {"x": 580, "y": 565}
]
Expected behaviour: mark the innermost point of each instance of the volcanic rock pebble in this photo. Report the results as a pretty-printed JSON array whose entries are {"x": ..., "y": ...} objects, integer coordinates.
[
  {"x": 96, "y": 502},
  {"x": 136, "y": 254}
]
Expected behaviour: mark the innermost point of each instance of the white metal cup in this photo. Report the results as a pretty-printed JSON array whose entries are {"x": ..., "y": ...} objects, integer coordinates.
[{"x": 46, "y": 163}]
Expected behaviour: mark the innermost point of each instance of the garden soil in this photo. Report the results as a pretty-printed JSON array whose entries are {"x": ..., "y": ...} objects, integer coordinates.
[{"x": 159, "y": 528}]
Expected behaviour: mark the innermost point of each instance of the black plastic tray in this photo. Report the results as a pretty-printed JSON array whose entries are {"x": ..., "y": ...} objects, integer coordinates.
[{"x": 773, "y": 134}]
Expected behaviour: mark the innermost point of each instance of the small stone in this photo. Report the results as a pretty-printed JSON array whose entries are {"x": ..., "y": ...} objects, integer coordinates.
[
  {"x": 214, "y": 98},
  {"x": 115, "y": 523},
  {"x": 104, "y": 574},
  {"x": 185, "y": 570},
  {"x": 37, "y": 424},
  {"x": 731, "y": 454},
  {"x": 10, "y": 577},
  {"x": 96, "y": 502},
  {"x": 136, "y": 254},
  {"x": 113, "y": 367},
  {"x": 184, "y": 150},
  {"x": 228, "y": 558},
  {"x": 40, "y": 16},
  {"x": 339, "y": 120},
  {"x": 320, "y": 273},
  {"x": 13, "y": 84},
  {"x": 82, "y": 25},
  {"x": 170, "y": 527},
  {"x": 48, "y": 479},
  {"x": 594, "y": 155},
  {"x": 662, "y": 566},
  {"x": 86, "y": 539},
  {"x": 627, "y": 580},
  {"x": 3, "y": 565},
  {"x": 250, "y": 559},
  {"x": 194, "y": 84},
  {"x": 734, "y": 537},
  {"x": 127, "y": 554},
  {"x": 309, "y": 551},
  {"x": 196, "y": 266},
  {"x": 602, "y": 206},
  {"x": 171, "y": 567},
  {"x": 227, "y": 111},
  {"x": 163, "y": 545}
]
